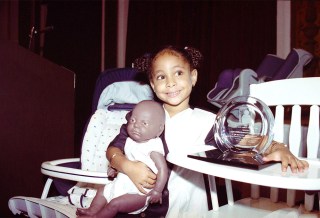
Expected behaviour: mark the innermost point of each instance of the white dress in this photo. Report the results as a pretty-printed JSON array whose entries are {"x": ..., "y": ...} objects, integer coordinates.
[
  {"x": 136, "y": 152},
  {"x": 187, "y": 195}
]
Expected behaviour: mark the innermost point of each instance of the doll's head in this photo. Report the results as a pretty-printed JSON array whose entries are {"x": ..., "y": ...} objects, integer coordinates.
[{"x": 146, "y": 122}]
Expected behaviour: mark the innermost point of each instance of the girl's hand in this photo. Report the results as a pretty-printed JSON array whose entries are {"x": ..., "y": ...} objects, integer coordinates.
[
  {"x": 282, "y": 153},
  {"x": 141, "y": 176}
]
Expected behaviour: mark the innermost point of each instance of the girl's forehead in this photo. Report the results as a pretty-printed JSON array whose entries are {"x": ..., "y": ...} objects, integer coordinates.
[
  {"x": 166, "y": 54},
  {"x": 168, "y": 58}
]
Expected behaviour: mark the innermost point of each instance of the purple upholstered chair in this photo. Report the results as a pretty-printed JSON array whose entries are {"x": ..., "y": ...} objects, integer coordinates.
[{"x": 236, "y": 82}]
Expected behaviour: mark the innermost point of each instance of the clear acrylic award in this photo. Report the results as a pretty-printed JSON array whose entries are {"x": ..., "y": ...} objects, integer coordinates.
[{"x": 243, "y": 130}]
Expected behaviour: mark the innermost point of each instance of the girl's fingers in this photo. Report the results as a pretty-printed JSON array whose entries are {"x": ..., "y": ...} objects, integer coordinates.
[
  {"x": 284, "y": 164},
  {"x": 302, "y": 165}
]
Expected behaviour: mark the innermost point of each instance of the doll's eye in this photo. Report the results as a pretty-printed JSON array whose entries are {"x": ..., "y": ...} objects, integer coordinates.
[
  {"x": 132, "y": 120},
  {"x": 145, "y": 123}
]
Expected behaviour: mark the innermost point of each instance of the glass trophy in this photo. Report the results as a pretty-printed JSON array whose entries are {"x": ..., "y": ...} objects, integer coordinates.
[{"x": 243, "y": 130}]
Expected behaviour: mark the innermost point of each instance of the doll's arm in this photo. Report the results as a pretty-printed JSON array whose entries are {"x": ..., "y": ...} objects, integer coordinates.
[
  {"x": 138, "y": 172},
  {"x": 162, "y": 177}
]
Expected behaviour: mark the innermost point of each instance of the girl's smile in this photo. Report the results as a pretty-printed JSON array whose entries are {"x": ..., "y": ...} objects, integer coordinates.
[
  {"x": 172, "y": 81},
  {"x": 173, "y": 94}
]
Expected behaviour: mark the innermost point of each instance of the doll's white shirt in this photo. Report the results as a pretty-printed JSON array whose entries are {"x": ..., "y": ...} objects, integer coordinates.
[
  {"x": 186, "y": 188},
  {"x": 141, "y": 151},
  {"x": 136, "y": 152}
]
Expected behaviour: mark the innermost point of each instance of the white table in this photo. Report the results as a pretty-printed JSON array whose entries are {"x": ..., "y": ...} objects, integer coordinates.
[{"x": 271, "y": 176}]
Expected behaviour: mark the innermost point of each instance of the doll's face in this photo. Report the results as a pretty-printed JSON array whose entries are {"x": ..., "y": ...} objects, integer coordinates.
[{"x": 146, "y": 121}]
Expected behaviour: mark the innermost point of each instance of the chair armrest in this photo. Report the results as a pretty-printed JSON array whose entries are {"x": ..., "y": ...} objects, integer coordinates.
[{"x": 51, "y": 169}]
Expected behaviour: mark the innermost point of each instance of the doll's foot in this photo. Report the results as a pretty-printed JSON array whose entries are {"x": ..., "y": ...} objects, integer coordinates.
[
  {"x": 85, "y": 216},
  {"x": 86, "y": 212}
]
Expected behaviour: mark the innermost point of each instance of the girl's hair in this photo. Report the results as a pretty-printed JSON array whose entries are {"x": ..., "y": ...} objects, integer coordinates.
[{"x": 191, "y": 55}]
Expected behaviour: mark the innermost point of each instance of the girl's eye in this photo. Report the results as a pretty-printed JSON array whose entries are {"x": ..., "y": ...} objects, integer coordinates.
[
  {"x": 145, "y": 124},
  {"x": 179, "y": 73},
  {"x": 160, "y": 77},
  {"x": 132, "y": 120}
]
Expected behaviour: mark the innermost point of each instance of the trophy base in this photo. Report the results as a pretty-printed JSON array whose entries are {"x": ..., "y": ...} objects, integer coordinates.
[{"x": 246, "y": 160}]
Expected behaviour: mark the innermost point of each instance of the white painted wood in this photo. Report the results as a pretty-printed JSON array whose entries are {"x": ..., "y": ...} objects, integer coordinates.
[
  {"x": 269, "y": 176},
  {"x": 293, "y": 92}
]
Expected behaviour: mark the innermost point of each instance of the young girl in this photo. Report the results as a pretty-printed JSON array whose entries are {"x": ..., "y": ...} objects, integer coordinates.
[{"x": 173, "y": 73}]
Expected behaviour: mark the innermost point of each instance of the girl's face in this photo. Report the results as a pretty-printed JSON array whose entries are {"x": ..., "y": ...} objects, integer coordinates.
[{"x": 172, "y": 81}]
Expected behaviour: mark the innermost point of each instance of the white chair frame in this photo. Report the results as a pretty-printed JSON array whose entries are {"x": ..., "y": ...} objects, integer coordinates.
[{"x": 296, "y": 92}]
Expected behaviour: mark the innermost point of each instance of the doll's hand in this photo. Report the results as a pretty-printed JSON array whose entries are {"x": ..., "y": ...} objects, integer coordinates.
[
  {"x": 141, "y": 176},
  {"x": 112, "y": 172},
  {"x": 155, "y": 197},
  {"x": 282, "y": 153}
]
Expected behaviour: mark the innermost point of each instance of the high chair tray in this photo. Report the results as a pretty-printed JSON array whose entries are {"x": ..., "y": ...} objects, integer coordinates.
[
  {"x": 270, "y": 175},
  {"x": 231, "y": 159}
]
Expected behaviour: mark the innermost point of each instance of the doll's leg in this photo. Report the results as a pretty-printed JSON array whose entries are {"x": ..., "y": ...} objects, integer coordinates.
[
  {"x": 98, "y": 202},
  {"x": 123, "y": 204}
]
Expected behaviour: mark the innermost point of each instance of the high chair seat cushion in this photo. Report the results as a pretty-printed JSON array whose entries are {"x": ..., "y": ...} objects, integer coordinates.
[
  {"x": 102, "y": 128},
  {"x": 104, "y": 124}
]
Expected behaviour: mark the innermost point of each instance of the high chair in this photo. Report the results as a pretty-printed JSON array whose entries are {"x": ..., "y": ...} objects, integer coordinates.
[
  {"x": 116, "y": 93},
  {"x": 300, "y": 131}
]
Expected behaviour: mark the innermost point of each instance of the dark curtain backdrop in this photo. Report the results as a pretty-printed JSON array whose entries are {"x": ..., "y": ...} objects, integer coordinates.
[
  {"x": 305, "y": 32},
  {"x": 75, "y": 43},
  {"x": 230, "y": 34},
  {"x": 9, "y": 20}
]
